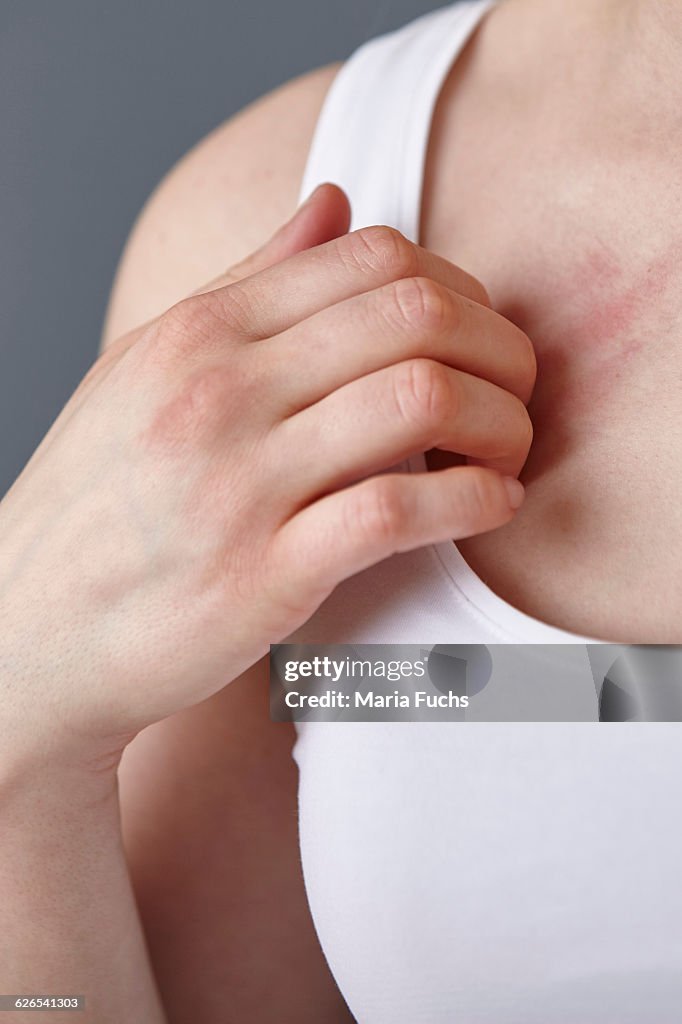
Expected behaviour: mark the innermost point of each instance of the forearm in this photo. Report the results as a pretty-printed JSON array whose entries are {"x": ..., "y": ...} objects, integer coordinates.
[{"x": 69, "y": 919}]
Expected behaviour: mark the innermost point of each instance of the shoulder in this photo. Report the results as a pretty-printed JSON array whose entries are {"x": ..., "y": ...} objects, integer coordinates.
[{"x": 221, "y": 201}]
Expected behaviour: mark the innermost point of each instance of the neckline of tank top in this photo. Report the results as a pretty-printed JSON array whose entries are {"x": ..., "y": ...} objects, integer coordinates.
[
  {"x": 504, "y": 617},
  {"x": 432, "y": 34},
  {"x": 501, "y": 616}
]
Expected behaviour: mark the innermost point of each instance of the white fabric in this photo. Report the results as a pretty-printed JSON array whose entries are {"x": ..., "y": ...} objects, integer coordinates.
[{"x": 497, "y": 873}]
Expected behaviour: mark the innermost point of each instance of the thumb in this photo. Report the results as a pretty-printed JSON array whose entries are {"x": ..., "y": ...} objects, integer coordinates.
[{"x": 323, "y": 216}]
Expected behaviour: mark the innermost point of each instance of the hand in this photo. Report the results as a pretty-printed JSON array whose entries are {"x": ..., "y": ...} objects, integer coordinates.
[{"x": 221, "y": 469}]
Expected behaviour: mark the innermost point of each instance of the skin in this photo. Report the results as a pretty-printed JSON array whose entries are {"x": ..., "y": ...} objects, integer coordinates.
[
  {"x": 575, "y": 235},
  {"x": 564, "y": 277},
  {"x": 207, "y": 795},
  {"x": 172, "y": 525}
]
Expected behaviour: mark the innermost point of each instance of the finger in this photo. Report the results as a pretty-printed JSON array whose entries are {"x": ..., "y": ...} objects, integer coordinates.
[
  {"x": 274, "y": 299},
  {"x": 404, "y": 319},
  {"x": 380, "y": 419},
  {"x": 322, "y": 217},
  {"x": 348, "y": 531}
]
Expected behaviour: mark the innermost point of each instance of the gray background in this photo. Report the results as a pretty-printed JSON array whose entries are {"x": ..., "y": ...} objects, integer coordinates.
[{"x": 97, "y": 100}]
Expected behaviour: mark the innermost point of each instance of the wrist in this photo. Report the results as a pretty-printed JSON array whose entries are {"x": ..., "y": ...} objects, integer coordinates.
[
  {"x": 47, "y": 760},
  {"x": 39, "y": 796},
  {"x": 40, "y": 739}
]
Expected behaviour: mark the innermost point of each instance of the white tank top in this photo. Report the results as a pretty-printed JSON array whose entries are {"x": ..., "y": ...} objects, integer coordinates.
[{"x": 487, "y": 872}]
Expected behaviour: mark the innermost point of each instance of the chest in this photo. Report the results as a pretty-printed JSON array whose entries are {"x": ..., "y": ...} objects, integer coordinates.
[{"x": 593, "y": 274}]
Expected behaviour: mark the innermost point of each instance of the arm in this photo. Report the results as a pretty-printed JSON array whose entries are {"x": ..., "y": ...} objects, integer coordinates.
[
  {"x": 127, "y": 531},
  {"x": 209, "y": 801},
  {"x": 209, "y": 794},
  {"x": 203, "y": 795},
  {"x": 69, "y": 921}
]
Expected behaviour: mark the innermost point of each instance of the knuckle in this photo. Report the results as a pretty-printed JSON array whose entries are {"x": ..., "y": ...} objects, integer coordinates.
[
  {"x": 379, "y": 512},
  {"x": 479, "y": 495},
  {"x": 382, "y": 249},
  {"x": 185, "y": 323},
  {"x": 192, "y": 325},
  {"x": 476, "y": 496},
  {"x": 423, "y": 303},
  {"x": 205, "y": 318},
  {"x": 468, "y": 500},
  {"x": 422, "y": 392},
  {"x": 202, "y": 397},
  {"x": 192, "y": 412},
  {"x": 236, "y": 308}
]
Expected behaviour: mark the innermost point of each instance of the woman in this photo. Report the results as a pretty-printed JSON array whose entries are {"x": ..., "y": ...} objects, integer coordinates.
[{"x": 507, "y": 873}]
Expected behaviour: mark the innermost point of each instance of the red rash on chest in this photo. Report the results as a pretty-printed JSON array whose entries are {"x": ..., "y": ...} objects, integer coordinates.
[
  {"x": 598, "y": 320},
  {"x": 613, "y": 304},
  {"x": 610, "y": 305}
]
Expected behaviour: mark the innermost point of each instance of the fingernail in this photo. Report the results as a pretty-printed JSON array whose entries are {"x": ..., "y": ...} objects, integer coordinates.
[{"x": 515, "y": 491}]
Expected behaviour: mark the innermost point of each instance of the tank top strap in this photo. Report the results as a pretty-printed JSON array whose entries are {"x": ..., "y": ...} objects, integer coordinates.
[{"x": 373, "y": 129}]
